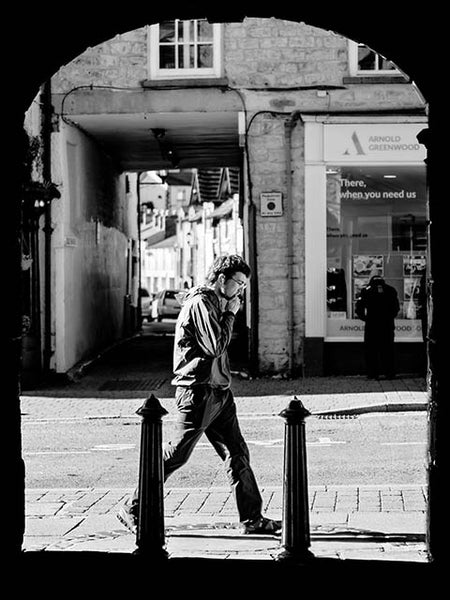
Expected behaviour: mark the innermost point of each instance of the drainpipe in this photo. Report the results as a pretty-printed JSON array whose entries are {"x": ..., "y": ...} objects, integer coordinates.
[
  {"x": 288, "y": 128},
  {"x": 139, "y": 241},
  {"x": 253, "y": 341},
  {"x": 254, "y": 313},
  {"x": 46, "y": 130}
]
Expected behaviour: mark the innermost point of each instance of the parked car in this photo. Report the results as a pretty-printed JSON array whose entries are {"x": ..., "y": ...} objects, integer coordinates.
[
  {"x": 146, "y": 304},
  {"x": 165, "y": 305}
]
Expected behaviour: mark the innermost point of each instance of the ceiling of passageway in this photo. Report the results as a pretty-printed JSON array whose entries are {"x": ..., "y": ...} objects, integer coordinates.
[{"x": 143, "y": 141}]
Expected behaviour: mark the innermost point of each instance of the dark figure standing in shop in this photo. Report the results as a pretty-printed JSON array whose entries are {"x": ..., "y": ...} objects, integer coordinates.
[
  {"x": 204, "y": 400},
  {"x": 378, "y": 306}
]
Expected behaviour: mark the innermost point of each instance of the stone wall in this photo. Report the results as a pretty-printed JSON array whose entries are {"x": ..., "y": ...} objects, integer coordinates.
[
  {"x": 119, "y": 62},
  {"x": 277, "y": 67},
  {"x": 268, "y": 173},
  {"x": 275, "y": 53}
]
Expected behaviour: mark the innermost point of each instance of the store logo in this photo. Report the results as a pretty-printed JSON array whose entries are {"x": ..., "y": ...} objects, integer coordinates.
[{"x": 357, "y": 145}]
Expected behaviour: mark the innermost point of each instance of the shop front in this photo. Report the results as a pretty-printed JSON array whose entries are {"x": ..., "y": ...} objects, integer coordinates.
[{"x": 365, "y": 214}]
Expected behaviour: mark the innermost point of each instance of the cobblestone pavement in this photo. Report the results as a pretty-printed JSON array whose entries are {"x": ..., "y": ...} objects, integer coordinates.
[{"x": 345, "y": 521}]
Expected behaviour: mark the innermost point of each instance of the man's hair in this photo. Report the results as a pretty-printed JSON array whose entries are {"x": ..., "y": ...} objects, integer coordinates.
[
  {"x": 376, "y": 280},
  {"x": 227, "y": 265}
]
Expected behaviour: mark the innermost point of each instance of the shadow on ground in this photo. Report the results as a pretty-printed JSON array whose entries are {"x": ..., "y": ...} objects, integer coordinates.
[{"x": 142, "y": 365}]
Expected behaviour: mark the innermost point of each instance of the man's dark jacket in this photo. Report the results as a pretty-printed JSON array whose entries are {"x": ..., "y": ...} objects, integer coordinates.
[
  {"x": 202, "y": 335},
  {"x": 377, "y": 306}
]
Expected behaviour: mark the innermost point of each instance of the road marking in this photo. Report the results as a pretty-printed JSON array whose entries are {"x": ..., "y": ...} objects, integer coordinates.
[
  {"x": 113, "y": 447},
  {"x": 267, "y": 443},
  {"x": 324, "y": 441},
  {"x": 57, "y": 452},
  {"x": 402, "y": 443},
  {"x": 99, "y": 448},
  {"x": 51, "y": 420},
  {"x": 279, "y": 443},
  {"x": 271, "y": 443}
]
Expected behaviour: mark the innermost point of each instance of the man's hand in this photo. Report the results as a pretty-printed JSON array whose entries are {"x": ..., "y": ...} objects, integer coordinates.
[{"x": 233, "y": 304}]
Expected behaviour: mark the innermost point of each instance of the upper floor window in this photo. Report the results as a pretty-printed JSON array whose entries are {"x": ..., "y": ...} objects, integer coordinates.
[
  {"x": 185, "y": 48},
  {"x": 364, "y": 61}
]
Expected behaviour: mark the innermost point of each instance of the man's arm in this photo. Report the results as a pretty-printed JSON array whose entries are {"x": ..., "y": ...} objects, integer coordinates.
[
  {"x": 360, "y": 308},
  {"x": 395, "y": 303},
  {"x": 212, "y": 332}
]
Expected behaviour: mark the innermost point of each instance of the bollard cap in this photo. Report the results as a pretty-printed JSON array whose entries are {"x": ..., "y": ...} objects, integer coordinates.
[
  {"x": 151, "y": 408},
  {"x": 295, "y": 411}
]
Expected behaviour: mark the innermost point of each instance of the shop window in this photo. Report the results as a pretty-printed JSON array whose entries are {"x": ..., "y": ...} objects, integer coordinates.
[
  {"x": 364, "y": 61},
  {"x": 185, "y": 48},
  {"x": 376, "y": 224}
]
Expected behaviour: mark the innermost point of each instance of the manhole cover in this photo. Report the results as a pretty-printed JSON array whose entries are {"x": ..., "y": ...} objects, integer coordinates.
[
  {"x": 117, "y": 385},
  {"x": 337, "y": 416}
]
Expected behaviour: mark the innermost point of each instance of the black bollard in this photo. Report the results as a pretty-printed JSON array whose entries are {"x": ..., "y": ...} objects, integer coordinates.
[
  {"x": 150, "y": 539},
  {"x": 295, "y": 538}
]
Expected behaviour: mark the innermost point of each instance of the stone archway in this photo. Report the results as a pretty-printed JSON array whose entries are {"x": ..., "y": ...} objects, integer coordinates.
[{"x": 46, "y": 42}]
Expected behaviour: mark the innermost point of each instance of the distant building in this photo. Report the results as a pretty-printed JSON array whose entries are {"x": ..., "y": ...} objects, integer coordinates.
[{"x": 206, "y": 226}]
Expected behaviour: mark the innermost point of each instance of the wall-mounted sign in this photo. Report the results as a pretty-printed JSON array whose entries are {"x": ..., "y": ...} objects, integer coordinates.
[
  {"x": 70, "y": 242},
  {"x": 271, "y": 204},
  {"x": 365, "y": 142}
]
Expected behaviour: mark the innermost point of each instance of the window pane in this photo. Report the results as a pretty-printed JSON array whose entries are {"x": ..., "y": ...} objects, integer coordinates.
[
  {"x": 181, "y": 61},
  {"x": 205, "y": 56},
  {"x": 409, "y": 233},
  {"x": 192, "y": 62},
  {"x": 366, "y": 59},
  {"x": 167, "y": 31},
  {"x": 190, "y": 30},
  {"x": 181, "y": 31},
  {"x": 186, "y": 31},
  {"x": 167, "y": 57},
  {"x": 205, "y": 31},
  {"x": 376, "y": 223},
  {"x": 385, "y": 64}
]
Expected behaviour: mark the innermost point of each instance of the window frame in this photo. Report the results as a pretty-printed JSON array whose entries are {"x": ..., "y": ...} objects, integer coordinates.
[
  {"x": 158, "y": 73},
  {"x": 353, "y": 64}
]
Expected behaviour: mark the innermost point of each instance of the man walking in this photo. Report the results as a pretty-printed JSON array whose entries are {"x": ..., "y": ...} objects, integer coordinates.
[{"x": 204, "y": 400}]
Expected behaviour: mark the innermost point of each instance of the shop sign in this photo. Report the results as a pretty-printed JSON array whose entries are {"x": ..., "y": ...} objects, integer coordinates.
[
  {"x": 373, "y": 142},
  {"x": 352, "y": 330}
]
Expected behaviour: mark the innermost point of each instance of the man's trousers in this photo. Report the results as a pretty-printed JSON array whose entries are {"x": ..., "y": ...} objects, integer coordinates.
[{"x": 212, "y": 411}]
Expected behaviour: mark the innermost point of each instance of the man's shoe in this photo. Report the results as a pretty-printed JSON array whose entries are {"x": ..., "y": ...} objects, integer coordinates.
[
  {"x": 127, "y": 519},
  {"x": 262, "y": 526}
]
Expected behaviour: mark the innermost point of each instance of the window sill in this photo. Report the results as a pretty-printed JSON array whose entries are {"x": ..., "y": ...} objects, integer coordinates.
[
  {"x": 192, "y": 82},
  {"x": 376, "y": 79}
]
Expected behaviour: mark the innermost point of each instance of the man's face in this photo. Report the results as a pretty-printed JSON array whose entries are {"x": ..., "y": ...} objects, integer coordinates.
[{"x": 232, "y": 286}]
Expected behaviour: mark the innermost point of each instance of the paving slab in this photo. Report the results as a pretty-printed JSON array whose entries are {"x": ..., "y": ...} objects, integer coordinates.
[
  {"x": 394, "y": 522},
  {"x": 54, "y": 527}
]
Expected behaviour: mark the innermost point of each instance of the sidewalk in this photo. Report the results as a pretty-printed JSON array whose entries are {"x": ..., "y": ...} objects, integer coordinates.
[
  {"x": 142, "y": 365},
  {"x": 362, "y": 522}
]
